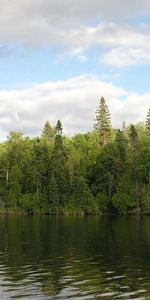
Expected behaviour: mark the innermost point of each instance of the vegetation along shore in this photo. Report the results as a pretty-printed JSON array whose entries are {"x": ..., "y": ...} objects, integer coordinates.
[{"x": 105, "y": 171}]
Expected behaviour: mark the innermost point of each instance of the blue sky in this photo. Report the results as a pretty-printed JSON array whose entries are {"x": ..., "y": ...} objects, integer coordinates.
[
  {"x": 57, "y": 58},
  {"x": 22, "y": 68}
]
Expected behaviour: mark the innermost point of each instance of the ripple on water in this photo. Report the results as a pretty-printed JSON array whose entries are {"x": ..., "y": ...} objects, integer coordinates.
[{"x": 87, "y": 259}]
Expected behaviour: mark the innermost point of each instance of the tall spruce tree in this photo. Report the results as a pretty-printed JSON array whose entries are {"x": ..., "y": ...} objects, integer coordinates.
[
  {"x": 103, "y": 122},
  {"x": 53, "y": 197},
  {"x": 134, "y": 152},
  {"x": 120, "y": 143},
  {"x": 148, "y": 122},
  {"x": 14, "y": 187},
  {"x": 48, "y": 131},
  {"x": 58, "y": 164}
]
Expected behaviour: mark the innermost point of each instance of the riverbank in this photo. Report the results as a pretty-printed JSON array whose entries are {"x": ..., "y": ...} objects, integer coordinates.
[{"x": 72, "y": 213}]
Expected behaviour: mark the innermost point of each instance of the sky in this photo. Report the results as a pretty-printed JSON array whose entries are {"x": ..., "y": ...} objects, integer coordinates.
[{"x": 59, "y": 57}]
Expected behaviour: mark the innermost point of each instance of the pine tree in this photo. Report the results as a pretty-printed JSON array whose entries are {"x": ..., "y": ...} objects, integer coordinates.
[
  {"x": 134, "y": 152},
  {"x": 148, "y": 122},
  {"x": 48, "y": 131},
  {"x": 82, "y": 195},
  {"x": 133, "y": 135},
  {"x": 103, "y": 122},
  {"x": 58, "y": 141},
  {"x": 58, "y": 163},
  {"x": 53, "y": 197},
  {"x": 59, "y": 128},
  {"x": 14, "y": 187},
  {"x": 120, "y": 142}
]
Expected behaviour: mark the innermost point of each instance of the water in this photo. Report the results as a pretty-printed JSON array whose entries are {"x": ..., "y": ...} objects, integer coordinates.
[{"x": 74, "y": 257}]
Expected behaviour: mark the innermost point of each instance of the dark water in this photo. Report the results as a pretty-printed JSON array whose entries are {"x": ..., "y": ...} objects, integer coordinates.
[{"x": 74, "y": 257}]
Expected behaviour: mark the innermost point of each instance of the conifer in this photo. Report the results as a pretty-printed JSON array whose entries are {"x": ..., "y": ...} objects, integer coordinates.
[
  {"x": 103, "y": 122},
  {"x": 148, "y": 122}
]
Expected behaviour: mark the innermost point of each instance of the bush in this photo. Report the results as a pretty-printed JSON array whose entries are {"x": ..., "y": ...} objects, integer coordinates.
[{"x": 122, "y": 202}]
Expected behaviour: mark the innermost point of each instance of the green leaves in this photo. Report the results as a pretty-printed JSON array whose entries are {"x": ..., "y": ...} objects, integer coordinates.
[
  {"x": 103, "y": 122},
  {"x": 148, "y": 122},
  {"x": 56, "y": 174}
]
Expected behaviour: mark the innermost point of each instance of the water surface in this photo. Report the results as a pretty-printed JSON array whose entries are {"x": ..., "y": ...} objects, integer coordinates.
[{"x": 43, "y": 257}]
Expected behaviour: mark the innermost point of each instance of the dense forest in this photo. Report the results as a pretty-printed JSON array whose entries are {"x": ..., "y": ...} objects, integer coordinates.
[{"x": 103, "y": 171}]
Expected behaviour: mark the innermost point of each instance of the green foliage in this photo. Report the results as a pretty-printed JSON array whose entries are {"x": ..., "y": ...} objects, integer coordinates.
[
  {"x": 53, "y": 196},
  {"x": 122, "y": 202},
  {"x": 133, "y": 137},
  {"x": 104, "y": 172},
  {"x": 148, "y": 122},
  {"x": 82, "y": 196},
  {"x": 30, "y": 203},
  {"x": 59, "y": 128},
  {"x": 57, "y": 174},
  {"x": 146, "y": 199},
  {"x": 14, "y": 186},
  {"x": 102, "y": 202},
  {"x": 48, "y": 132},
  {"x": 103, "y": 122}
]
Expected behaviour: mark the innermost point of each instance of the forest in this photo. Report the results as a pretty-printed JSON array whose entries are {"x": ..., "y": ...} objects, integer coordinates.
[{"x": 105, "y": 171}]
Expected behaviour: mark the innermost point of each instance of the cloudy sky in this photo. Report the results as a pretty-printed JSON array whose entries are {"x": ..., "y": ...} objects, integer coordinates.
[{"x": 58, "y": 57}]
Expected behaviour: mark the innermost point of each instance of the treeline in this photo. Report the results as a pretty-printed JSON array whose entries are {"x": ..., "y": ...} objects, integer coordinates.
[{"x": 103, "y": 171}]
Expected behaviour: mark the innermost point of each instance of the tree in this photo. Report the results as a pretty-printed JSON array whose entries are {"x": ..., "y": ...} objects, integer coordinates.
[
  {"x": 104, "y": 173},
  {"x": 58, "y": 164},
  {"x": 133, "y": 136},
  {"x": 144, "y": 168},
  {"x": 53, "y": 173},
  {"x": 148, "y": 122},
  {"x": 59, "y": 129},
  {"x": 58, "y": 149},
  {"x": 134, "y": 152},
  {"x": 103, "y": 122},
  {"x": 53, "y": 197},
  {"x": 48, "y": 131},
  {"x": 14, "y": 186},
  {"x": 82, "y": 196},
  {"x": 122, "y": 202},
  {"x": 120, "y": 143}
]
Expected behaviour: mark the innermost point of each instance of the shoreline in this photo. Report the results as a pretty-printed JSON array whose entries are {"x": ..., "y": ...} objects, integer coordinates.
[{"x": 79, "y": 214}]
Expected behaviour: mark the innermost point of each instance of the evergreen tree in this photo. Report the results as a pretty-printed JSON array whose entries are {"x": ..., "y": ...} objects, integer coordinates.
[
  {"x": 83, "y": 198},
  {"x": 14, "y": 187},
  {"x": 134, "y": 152},
  {"x": 103, "y": 122},
  {"x": 59, "y": 129},
  {"x": 58, "y": 142},
  {"x": 148, "y": 122},
  {"x": 133, "y": 136},
  {"x": 53, "y": 197},
  {"x": 53, "y": 173},
  {"x": 58, "y": 164},
  {"x": 120, "y": 142},
  {"x": 104, "y": 173},
  {"x": 48, "y": 131}
]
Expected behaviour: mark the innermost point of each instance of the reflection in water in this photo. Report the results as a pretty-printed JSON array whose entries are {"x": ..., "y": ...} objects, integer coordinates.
[{"x": 74, "y": 257}]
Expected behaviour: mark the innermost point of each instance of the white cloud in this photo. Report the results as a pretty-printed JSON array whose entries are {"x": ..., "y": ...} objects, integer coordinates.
[
  {"x": 37, "y": 22},
  {"x": 108, "y": 35},
  {"x": 122, "y": 57},
  {"x": 119, "y": 45},
  {"x": 129, "y": 45},
  {"x": 31, "y": 13},
  {"x": 77, "y": 53},
  {"x": 73, "y": 101},
  {"x": 64, "y": 24}
]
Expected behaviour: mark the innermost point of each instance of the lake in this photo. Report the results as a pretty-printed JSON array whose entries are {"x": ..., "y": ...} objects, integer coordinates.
[{"x": 50, "y": 257}]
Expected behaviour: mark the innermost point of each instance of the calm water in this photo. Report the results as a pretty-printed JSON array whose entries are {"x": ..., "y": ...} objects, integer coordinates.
[{"x": 74, "y": 257}]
